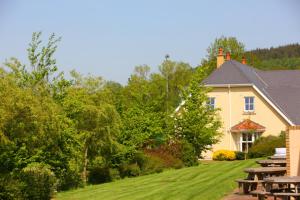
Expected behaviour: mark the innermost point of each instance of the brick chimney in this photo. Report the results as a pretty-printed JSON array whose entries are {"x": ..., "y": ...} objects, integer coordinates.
[
  {"x": 220, "y": 58},
  {"x": 244, "y": 60},
  {"x": 227, "y": 56}
]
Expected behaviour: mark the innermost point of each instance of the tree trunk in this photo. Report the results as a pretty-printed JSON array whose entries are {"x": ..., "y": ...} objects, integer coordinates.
[{"x": 85, "y": 161}]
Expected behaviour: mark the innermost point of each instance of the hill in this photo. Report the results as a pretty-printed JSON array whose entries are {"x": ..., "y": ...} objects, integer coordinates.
[{"x": 282, "y": 57}]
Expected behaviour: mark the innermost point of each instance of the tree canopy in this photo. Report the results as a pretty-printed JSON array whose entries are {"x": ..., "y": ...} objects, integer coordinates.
[{"x": 63, "y": 133}]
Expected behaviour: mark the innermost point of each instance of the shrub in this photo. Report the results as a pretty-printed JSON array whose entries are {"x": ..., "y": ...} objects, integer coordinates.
[
  {"x": 239, "y": 155},
  {"x": 114, "y": 174},
  {"x": 139, "y": 158},
  {"x": 39, "y": 182},
  {"x": 265, "y": 146},
  {"x": 175, "y": 154},
  {"x": 133, "y": 170},
  {"x": 98, "y": 174},
  {"x": 130, "y": 170},
  {"x": 224, "y": 155},
  {"x": 68, "y": 179},
  {"x": 9, "y": 188},
  {"x": 152, "y": 165},
  {"x": 188, "y": 154},
  {"x": 165, "y": 157}
]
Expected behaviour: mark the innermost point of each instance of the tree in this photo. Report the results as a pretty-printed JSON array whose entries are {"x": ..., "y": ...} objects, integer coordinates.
[
  {"x": 143, "y": 115},
  {"x": 149, "y": 99},
  {"x": 42, "y": 62},
  {"x": 97, "y": 123},
  {"x": 33, "y": 128},
  {"x": 196, "y": 122},
  {"x": 176, "y": 76},
  {"x": 229, "y": 44}
]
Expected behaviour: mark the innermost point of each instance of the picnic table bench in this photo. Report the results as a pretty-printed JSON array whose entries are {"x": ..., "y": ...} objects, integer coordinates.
[
  {"x": 286, "y": 187},
  {"x": 277, "y": 157},
  {"x": 260, "y": 194},
  {"x": 246, "y": 185},
  {"x": 256, "y": 176},
  {"x": 287, "y": 195},
  {"x": 260, "y": 173},
  {"x": 272, "y": 163}
]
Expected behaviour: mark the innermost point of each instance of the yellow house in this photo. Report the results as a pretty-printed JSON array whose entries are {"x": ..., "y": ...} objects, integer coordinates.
[{"x": 252, "y": 102}]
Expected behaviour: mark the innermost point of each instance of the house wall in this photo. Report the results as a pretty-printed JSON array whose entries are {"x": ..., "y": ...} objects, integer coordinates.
[
  {"x": 231, "y": 102},
  {"x": 293, "y": 151}
]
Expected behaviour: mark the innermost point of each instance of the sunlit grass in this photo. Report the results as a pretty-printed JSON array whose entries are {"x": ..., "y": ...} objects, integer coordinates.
[{"x": 210, "y": 180}]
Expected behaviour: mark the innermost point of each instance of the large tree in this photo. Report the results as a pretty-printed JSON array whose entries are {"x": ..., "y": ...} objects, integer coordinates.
[
  {"x": 195, "y": 122},
  {"x": 229, "y": 44},
  {"x": 97, "y": 122}
]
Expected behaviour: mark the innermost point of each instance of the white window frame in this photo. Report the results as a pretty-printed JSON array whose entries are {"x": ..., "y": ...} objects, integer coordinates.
[
  {"x": 249, "y": 104},
  {"x": 254, "y": 136},
  {"x": 211, "y": 102}
]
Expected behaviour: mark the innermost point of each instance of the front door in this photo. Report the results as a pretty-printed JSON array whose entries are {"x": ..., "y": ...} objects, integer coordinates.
[{"x": 246, "y": 140}]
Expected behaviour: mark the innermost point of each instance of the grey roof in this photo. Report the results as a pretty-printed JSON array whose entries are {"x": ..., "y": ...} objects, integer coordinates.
[{"x": 281, "y": 87}]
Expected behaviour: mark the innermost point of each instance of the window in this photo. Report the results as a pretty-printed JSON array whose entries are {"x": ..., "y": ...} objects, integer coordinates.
[
  {"x": 247, "y": 139},
  {"x": 211, "y": 102},
  {"x": 249, "y": 104}
]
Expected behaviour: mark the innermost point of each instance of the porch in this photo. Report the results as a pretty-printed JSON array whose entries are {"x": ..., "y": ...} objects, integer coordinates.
[{"x": 245, "y": 133}]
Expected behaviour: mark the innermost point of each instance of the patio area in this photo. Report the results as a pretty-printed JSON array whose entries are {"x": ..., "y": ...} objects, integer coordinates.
[{"x": 236, "y": 196}]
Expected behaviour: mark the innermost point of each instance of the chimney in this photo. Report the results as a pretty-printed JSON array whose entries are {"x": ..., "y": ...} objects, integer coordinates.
[
  {"x": 244, "y": 60},
  {"x": 220, "y": 58},
  {"x": 227, "y": 56}
]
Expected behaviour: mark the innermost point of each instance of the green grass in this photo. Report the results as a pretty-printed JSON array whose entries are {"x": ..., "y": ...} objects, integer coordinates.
[{"x": 210, "y": 180}]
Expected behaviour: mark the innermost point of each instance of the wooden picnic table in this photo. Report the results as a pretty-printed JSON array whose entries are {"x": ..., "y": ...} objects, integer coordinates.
[
  {"x": 260, "y": 173},
  {"x": 272, "y": 163},
  {"x": 277, "y": 157},
  {"x": 256, "y": 177},
  {"x": 289, "y": 181}
]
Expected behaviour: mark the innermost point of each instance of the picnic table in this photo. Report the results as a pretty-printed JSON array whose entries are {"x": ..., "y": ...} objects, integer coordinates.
[
  {"x": 277, "y": 157},
  {"x": 286, "y": 186},
  {"x": 263, "y": 172},
  {"x": 272, "y": 163},
  {"x": 256, "y": 177},
  {"x": 289, "y": 181}
]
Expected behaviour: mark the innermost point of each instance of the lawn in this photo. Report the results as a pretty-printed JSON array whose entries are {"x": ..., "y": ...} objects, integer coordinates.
[{"x": 210, "y": 180}]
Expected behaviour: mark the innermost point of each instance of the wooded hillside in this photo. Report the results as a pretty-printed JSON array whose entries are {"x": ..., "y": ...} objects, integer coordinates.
[{"x": 282, "y": 57}]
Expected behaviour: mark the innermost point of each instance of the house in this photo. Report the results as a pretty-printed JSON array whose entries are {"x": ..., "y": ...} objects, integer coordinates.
[{"x": 252, "y": 102}]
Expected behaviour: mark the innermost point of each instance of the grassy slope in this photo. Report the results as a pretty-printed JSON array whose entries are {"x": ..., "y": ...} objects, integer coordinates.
[{"x": 210, "y": 180}]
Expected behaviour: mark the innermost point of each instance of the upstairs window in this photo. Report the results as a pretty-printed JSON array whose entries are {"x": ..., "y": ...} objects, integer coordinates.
[
  {"x": 211, "y": 102},
  {"x": 249, "y": 104}
]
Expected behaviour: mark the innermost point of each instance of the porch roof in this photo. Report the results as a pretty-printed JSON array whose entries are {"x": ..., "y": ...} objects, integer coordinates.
[{"x": 247, "y": 126}]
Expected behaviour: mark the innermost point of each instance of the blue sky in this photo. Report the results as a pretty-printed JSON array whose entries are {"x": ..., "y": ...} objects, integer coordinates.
[{"x": 109, "y": 38}]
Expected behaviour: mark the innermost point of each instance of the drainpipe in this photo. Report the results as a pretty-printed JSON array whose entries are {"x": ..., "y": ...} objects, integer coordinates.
[{"x": 229, "y": 97}]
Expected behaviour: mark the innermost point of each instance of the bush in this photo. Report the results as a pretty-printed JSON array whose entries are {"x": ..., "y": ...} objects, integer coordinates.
[
  {"x": 102, "y": 175},
  {"x": 165, "y": 157},
  {"x": 114, "y": 174},
  {"x": 130, "y": 170},
  {"x": 152, "y": 165},
  {"x": 9, "y": 188},
  {"x": 68, "y": 179},
  {"x": 224, "y": 155},
  {"x": 239, "y": 155},
  {"x": 39, "y": 182},
  {"x": 98, "y": 175},
  {"x": 139, "y": 158},
  {"x": 188, "y": 154},
  {"x": 265, "y": 146}
]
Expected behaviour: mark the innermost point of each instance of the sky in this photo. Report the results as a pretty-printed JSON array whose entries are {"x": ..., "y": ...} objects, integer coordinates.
[{"x": 109, "y": 38}]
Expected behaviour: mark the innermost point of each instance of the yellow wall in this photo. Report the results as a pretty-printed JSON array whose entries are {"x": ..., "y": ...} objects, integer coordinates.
[
  {"x": 231, "y": 102},
  {"x": 293, "y": 151}
]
